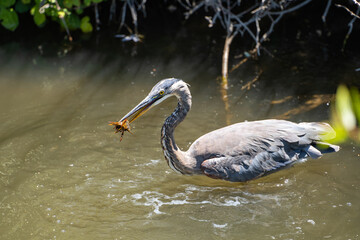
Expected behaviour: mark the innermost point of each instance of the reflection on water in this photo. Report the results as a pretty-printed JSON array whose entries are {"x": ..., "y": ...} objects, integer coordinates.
[
  {"x": 64, "y": 174},
  {"x": 314, "y": 102}
]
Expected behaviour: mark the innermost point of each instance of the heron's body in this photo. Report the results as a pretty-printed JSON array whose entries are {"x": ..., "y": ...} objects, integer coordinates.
[{"x": 239, "y": 152}]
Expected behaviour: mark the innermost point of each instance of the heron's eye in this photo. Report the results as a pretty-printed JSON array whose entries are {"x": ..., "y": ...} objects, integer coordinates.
[{"x": 161, "y": 92}]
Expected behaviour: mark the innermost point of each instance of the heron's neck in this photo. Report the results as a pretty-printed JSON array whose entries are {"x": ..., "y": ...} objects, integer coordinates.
[{"x": 176, "y": 158}]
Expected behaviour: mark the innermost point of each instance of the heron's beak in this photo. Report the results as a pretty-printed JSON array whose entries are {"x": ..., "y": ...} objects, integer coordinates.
[{"x": 140, "y": 109}]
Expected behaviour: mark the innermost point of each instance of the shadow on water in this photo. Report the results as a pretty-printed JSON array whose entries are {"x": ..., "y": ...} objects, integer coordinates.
[{"x": 64, "y": 175}]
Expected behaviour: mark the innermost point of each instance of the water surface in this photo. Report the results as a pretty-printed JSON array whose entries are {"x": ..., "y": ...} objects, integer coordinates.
[{"x": 65, "y": 175}]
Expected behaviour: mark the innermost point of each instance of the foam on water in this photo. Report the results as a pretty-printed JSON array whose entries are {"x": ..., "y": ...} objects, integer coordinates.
[{"x": 193, "y": 195}]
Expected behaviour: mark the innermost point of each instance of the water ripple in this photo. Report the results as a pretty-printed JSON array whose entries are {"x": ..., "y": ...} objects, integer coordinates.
[{"x": 204, "y": 196}]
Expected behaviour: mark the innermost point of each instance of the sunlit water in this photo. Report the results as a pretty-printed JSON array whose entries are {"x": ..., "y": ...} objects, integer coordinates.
[{"x": 65, "y": 175}]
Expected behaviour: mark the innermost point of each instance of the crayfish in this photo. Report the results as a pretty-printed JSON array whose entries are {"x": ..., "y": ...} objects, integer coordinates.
[{"x": 121, "y": 126}]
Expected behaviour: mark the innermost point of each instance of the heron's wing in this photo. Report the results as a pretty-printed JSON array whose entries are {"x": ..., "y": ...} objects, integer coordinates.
[
  {"x": 244, "y": 151},
  {"x": 246, "y": 166}
]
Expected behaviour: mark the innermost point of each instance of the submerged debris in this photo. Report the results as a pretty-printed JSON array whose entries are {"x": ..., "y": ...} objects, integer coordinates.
[
  {"x": 130, "y": 38},
  {"x": 121, "y": 126}
]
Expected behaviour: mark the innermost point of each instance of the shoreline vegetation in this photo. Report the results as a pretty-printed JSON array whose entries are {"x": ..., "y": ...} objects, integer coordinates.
[{"x": 254, "y": 20}]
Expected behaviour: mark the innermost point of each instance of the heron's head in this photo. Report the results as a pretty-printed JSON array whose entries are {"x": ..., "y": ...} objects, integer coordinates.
[{"x": 161, "y": 91}]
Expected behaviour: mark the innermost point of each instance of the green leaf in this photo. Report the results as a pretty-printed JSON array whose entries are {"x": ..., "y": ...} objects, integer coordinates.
[
  {"x": 341, "y": 134},
  {"x": 7, "y": 3},
  {"x": 39, "y": 18},
  {"x": 355, "y": 96},
  {"x": 79, "y": 11},
  {"x": 25, "y": 1},
  {"x": 68, "y": 3},
  {"x": 61, "y": 14},
  {"x": 87, "y": 2},
  {"x": 66, "y": 11},
  {"x": 344, "y": 108},
  {"x": 76, "y": 3},
  {"x": 53, "y": 13},
  {"x": 85, "y": 25},
  {"x": 32, "y": 10},
  {"x": 9, "y": 19},
  {"x": 73, "y": 21},
  {"x": 20, "y": 7}
]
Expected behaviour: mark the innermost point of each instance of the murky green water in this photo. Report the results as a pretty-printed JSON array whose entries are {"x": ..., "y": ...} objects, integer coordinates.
[{"x": 65, "y": 175}]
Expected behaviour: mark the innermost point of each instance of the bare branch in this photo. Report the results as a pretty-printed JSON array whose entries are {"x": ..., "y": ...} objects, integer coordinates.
[
  {"x": 352, "y": 14},
  {"x": 326, "y": 11},
  {"x": 97, "y": 19},
  {"x": 291, "y": 9}
]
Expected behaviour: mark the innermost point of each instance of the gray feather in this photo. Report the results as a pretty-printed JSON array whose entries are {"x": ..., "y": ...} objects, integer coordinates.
[{"x": 248, "y": 150}]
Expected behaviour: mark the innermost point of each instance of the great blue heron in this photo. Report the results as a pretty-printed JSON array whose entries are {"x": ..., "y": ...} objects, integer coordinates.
[{"x": 239, "y": 152}]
